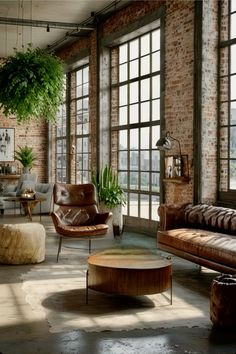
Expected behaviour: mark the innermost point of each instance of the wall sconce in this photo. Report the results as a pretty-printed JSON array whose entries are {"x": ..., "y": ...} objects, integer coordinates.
[
  {"x": 164, "y": 144},
  {"x": 176, "y": 167}
]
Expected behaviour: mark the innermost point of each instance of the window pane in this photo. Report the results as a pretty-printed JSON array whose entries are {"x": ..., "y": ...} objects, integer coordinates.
[
  {"x": 134, "y": 183},
  {"x": 144, "y": 206},
  {"x": 145, "y": 136},
  {"x": 123, "y": 179},
  {"x": 123, "y": 115},
  {"x": 155, "y": 135},
  {"x": 133, "y": 69},
  {"x": 123, "y": 53},
  {"x": 85, "y": 145},
  {"x": 145, "y": 44},
  {"x": 156, "y": 182},
  {"x": 232, "y": 182},
  {"x": 155, "y": 109},
  {"x": 123, "y": 160},
  {"x": 155, "y": 61},
  {"x": 154, "y": 207},
  {"x": 85, "y": 75},
  {"x": 134, "y": 160},
  {"x": 133, "y": 92},
  {"x": 155, "y": 160},
  {"x": 233, "y": 113},
  {"x": 145, "y": 90},
  {"x": 233, "y": 142},
  {"x": 233, "y": 87},
  {"x": 123, "y": 95},
  {"x": 123, "y": 143},
  {"x": 233, "y": 59},
  {"x": 144, "y": 161},
  {"x": 145, "y": 185},
  {"x": 133, "y": 204},
  {"x": 233, "y": 26},
  {"x": 155, "y": 40},
  {"x": 79, "y": 77},
  {"x": 145, "y": 65},
  {"x": 145, "y": 111},
  {"x": 133, "y": 49},
  {"x": 134, "y": 139},
  {"x": 133, "y": 113},
  {"x": 123, "y": 73},
  {"x": 156, "y": 86}
]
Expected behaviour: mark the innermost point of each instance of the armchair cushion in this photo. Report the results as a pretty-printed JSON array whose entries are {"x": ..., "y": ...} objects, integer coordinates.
[{"x": 75, "y": 217}]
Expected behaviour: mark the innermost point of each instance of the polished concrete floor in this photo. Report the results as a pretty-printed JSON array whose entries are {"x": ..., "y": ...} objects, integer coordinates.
[{"x": 23, "y": 332}]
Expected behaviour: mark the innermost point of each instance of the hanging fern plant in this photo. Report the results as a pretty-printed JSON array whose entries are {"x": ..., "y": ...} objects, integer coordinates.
[{"x": 31, "y": 85}]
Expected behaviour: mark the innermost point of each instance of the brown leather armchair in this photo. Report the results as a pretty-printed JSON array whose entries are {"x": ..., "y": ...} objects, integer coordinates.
[{"x": 78, "y": 216}]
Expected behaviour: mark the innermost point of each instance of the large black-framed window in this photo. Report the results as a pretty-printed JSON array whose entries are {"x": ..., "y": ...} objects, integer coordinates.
[
  {"x": 82, "y": 125},
  {"x": 138, "y": 124},
  {"x": 227, "y": 103}
]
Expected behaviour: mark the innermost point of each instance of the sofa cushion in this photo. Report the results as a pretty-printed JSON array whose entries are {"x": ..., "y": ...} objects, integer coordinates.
[{"x": 213, "y": 246}]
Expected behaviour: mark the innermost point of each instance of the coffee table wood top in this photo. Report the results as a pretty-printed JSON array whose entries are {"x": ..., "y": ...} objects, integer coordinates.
[{"x": 129, "y": 261}]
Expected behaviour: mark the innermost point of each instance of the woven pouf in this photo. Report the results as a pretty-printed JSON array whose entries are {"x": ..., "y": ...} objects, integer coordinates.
[
  {"x": 22, "y": 243},
  {"x": 222, "y": 301}
]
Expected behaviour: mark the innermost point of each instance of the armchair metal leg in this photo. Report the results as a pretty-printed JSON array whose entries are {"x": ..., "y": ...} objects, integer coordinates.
[{"x": 59, "y": 248}]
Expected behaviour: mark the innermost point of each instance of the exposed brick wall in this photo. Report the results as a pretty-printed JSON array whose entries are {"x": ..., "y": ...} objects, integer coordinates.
[
  {"x": 32, "y": 134},
  {"x": 179, "y": 66},
  {"x": 209, "y": 101}
]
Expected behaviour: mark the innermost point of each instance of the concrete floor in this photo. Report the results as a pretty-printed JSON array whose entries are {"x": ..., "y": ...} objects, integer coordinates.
[{"x": 22, "y": 332}]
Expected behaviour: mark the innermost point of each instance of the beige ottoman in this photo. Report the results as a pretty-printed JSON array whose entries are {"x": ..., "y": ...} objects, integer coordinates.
[{"x": 22, "y": 243}]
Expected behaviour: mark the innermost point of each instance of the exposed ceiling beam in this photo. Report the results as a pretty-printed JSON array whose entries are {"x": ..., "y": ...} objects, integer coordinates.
[{"x": 45, "y": 24}]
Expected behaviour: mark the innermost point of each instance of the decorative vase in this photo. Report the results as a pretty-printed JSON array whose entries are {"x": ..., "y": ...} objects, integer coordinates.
[{"x": 116, "y": 222}]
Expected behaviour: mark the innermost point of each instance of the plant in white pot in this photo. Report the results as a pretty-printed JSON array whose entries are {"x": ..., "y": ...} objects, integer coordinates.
[
  {"x": 26, "y": 156},
  {"x": 111, "y": 196}
]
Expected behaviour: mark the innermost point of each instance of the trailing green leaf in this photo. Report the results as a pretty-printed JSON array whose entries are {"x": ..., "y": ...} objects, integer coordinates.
[
  {"x": 31, "y": 85},
  {"x": 108, "y": 188}
]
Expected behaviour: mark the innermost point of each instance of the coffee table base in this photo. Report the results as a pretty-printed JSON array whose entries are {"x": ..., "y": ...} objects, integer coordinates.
[{"x": 129, "y": 274}]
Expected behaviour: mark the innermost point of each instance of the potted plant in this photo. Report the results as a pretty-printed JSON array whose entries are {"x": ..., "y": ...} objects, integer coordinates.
[
  {"x": 26, "y": 157},
  {"x": 31, "y": 85},
  {"x": 110, "y": 195}
]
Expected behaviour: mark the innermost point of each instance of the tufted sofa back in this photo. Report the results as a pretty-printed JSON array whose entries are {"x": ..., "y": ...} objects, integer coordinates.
[{"x": 211, "y": 217}]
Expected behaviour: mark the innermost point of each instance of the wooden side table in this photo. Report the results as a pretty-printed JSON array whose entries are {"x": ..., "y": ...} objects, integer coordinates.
[{"x": 27, "y": 204}]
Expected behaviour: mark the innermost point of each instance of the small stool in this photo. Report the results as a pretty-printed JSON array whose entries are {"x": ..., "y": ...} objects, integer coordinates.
[
  {"x": 222, "y": 301},
  {"x": 22, "y": 243}
]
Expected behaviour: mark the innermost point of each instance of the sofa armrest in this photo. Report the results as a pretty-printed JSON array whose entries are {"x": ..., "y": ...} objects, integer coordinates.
[
  {"x": 171, "y": 216},
  {"x": 10, "y": 190}
]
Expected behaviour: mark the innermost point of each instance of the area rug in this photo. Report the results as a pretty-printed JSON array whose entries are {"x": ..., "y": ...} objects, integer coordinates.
[{"x": 59, "y": 292}]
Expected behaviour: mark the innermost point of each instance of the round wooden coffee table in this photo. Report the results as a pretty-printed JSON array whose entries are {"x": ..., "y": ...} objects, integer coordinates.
[{"x": 129, "y": 272}]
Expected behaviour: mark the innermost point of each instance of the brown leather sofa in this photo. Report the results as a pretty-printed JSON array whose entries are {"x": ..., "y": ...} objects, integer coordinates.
[{"x": 203, "y": 234}]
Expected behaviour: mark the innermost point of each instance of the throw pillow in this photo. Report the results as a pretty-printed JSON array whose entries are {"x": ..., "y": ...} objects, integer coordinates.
[{"x": 75, "y": 217}]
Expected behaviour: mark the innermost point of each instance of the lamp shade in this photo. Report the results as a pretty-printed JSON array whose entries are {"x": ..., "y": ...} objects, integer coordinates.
[{"x": 163, "y": 144}]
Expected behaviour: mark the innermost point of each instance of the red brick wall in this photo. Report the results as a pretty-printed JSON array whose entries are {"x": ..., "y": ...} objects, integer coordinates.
[
  {"x": 179, "y": 66},
  {"x": 32, "y": 134},
  {"x": 209, "y": 101}
]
